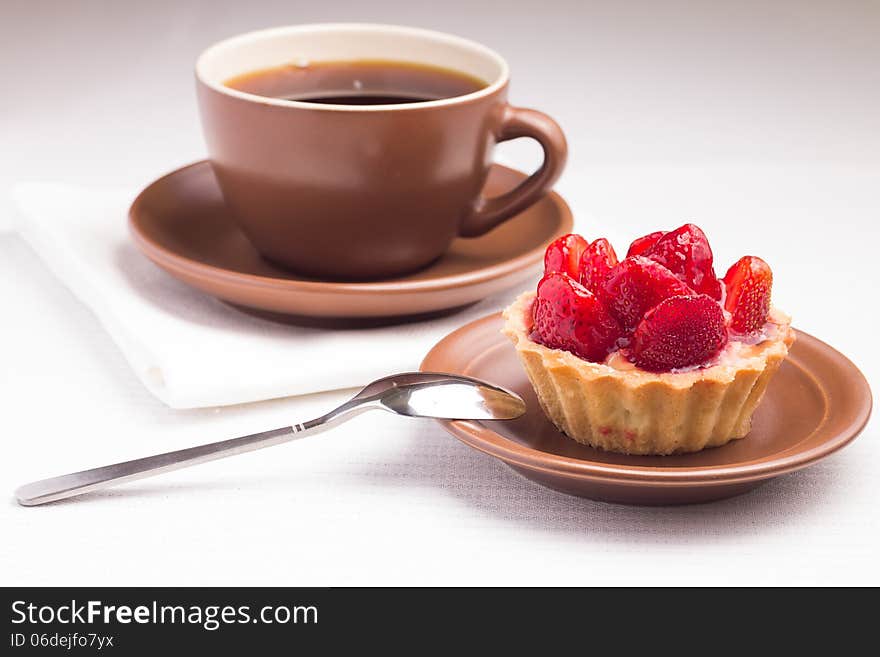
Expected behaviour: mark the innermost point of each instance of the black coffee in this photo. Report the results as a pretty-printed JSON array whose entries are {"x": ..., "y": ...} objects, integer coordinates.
[{"x": 361, "y": 82}]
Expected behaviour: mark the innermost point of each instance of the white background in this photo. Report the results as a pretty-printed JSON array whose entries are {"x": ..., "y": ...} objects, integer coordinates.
[{"x": 761, "y": 123}]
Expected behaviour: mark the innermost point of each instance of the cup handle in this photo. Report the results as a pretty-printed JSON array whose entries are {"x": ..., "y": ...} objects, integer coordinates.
[{"x": 520, "y": 122}]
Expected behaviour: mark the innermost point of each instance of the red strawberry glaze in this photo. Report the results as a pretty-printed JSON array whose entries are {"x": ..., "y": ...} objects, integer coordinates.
[
  {"x": 642, "y": 244},
  {"x": 568, "y": 316},
  {"x": 597, "y": 261},
  {"x": 748, "y": 284},
  {"x": 564, "y": 255},
  {"x": 679, "y": 332},
  {"x": 635, "y": 286},
  {"x": 686, "y": 253},
  {"x": 641, "y": 312}
]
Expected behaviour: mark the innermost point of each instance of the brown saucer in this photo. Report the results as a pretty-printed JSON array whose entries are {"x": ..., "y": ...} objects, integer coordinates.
[
  {"x": 817, "y": 403},
  {"x": 181, "y": 224}
]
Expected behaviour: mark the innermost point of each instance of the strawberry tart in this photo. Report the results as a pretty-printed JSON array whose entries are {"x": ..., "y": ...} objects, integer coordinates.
[{"x": 652, "y": 354}]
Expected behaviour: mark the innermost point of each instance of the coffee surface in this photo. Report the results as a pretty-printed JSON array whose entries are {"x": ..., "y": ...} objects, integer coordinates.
[{"x": 358, "y": 82}]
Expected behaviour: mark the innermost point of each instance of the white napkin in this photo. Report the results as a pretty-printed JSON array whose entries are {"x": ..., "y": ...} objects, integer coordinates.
[{"x": 189, "y": 349}]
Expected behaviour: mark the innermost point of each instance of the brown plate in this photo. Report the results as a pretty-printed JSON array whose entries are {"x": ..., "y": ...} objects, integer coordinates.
[
  {"x": 816, "y": 404},
  {"x": 181, "y": 224}
]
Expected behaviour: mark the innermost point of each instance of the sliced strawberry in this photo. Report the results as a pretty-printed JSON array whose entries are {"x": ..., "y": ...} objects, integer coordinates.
[
  {"x": 686, "y": 253},
  {"x": 564, "y": 255},
  {"x": 642, "y": 244},
  {"x": 682, "y": 331},
  {"x": 597, "y": 261},
  {"x": 748, "y": 284},
  {"x": 568, "y": 316},
  {"x": 635, "y": 286}
]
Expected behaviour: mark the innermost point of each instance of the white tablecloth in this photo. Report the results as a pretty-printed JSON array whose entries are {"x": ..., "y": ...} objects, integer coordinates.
[
  {"x": 673, "y": 114},
  {"x": 188, "y": 348}
]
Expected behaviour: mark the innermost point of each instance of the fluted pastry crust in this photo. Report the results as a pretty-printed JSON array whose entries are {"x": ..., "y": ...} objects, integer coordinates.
[{"x": 633, "y": 411}]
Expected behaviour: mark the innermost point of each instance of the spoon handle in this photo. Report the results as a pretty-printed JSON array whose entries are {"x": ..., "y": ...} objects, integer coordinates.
[{"x": 77, "y": 483}]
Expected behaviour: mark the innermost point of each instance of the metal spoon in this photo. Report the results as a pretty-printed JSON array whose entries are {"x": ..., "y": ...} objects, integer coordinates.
[{"x": 416, "y": 394}]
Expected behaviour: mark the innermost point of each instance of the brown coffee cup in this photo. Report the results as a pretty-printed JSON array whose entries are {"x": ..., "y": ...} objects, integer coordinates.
[{"x": 364, "y": 191}]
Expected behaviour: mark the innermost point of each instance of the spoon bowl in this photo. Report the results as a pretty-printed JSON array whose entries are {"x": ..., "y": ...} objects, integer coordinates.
[{"x": 444, "y": 396}]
